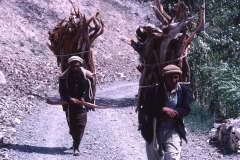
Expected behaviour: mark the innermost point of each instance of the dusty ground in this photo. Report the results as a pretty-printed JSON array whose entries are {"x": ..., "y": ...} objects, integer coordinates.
[
  {"x": 39, "y": 131},
  {"x": 110, "y": 134}
]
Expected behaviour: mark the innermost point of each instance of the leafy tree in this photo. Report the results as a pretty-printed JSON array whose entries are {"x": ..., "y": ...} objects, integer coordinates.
[
  {"x": 215, "y": 56},
  {"x": 215, "y": 72}
]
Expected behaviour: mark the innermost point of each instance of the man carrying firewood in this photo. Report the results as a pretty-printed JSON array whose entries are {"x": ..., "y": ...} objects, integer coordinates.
[
  {"x": 164, "y": 107},
  {"x": 74, "y": 86}
]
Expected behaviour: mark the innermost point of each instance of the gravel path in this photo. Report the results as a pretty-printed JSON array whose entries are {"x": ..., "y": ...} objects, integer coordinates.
[{"x": 110, "y": 134}]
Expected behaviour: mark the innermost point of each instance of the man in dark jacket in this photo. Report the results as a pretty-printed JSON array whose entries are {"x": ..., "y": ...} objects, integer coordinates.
[
  {"x": 74, "y": 85},
  {"x": 164, "y": 107}
]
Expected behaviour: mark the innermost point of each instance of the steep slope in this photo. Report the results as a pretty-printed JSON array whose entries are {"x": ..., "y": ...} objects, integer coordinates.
[{"x": 30, "y": 67}]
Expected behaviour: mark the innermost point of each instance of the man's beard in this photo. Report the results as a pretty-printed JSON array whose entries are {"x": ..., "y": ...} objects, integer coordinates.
[{"x": 76, "y": 73}]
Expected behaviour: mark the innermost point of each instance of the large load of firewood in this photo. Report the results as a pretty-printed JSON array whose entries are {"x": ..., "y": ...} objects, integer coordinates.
[
  {"x": 74, "y": 37},
  {"x": 161, "y": 46}
]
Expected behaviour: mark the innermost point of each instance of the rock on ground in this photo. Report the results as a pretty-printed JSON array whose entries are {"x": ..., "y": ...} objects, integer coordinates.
[{"x": 2, "y": 78}]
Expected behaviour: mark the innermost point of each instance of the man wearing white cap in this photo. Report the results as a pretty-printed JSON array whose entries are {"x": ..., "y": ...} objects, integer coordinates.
[
  {"x": 74, "y": 85},
  {"x": 164, "y": 107}
]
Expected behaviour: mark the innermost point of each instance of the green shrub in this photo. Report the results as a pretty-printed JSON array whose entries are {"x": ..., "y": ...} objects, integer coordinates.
[{"x": 199, "y": 119}]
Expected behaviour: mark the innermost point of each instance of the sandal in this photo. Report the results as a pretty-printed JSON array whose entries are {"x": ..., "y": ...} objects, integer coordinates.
[{"x": 76, "y": 153}]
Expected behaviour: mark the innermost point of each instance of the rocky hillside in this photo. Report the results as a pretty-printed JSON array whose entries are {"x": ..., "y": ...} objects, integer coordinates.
[{"x": 30, "y": 67}]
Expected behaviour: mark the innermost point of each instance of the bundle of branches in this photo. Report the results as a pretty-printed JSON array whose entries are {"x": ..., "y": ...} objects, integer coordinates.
[
  {"x": 158, "y": 47},
  {"x": 74, "y": 37}
]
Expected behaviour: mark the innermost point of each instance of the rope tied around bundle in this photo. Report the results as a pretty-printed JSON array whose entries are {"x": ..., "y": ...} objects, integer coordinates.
[{"x": 158, "y": 64}]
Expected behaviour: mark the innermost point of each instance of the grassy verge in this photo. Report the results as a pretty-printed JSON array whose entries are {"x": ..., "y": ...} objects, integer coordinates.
[{"x": 199, "y": 119}]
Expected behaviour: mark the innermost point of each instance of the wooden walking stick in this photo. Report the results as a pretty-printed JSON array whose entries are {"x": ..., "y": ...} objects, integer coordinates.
[{"x": 48, "y": 101}]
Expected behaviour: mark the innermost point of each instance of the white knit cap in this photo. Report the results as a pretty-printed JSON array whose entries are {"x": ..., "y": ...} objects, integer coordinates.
[{"x": 75, "y": 58}]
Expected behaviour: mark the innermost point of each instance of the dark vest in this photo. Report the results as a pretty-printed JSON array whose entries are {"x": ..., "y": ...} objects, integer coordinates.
[{"x": 154, "y": 100}]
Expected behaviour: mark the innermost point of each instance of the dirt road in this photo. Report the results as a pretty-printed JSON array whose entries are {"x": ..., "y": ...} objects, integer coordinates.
[{"x": 110, "y": 133}]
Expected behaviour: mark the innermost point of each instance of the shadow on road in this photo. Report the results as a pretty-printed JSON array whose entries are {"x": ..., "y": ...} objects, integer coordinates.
[
  {"x": 40, "y": 150},
  {"x": 118, "y": 103},
  {"x": 223, "y": 149}
]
